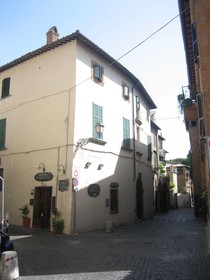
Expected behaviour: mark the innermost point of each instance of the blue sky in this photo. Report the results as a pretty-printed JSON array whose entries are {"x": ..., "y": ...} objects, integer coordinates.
[{"x": 116, "y": 26}]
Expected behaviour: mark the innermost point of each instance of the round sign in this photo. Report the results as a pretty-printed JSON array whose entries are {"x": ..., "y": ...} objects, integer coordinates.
[
  {"x": 93, "y": 190},
  {"x": 75, "y": 182}
]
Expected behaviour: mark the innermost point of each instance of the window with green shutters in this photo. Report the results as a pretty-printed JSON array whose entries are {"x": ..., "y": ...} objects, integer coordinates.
[
  {"x": 5, "y": 87},
  {"x": 137, "y": 103},
  {"x": 97, "y": 118},
  {"x": 2, "y": 133},
  {"x": 149, "y": 148},
  {"x": 126, "y": 133}
]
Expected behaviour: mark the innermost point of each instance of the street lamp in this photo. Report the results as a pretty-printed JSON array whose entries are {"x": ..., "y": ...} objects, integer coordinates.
[{"x": 99, "y": 129}]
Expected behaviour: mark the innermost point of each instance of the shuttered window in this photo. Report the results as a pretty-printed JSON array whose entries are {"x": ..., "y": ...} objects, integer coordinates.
[
  {"x": 149, "y": 148},
  {"x": 5, "y": 87},
  {"x": 2, "y": 133},
  {"x": 137, "y": 103},
  {"x": 97, "y": 118},
  {"x": 126, "y": 133}
]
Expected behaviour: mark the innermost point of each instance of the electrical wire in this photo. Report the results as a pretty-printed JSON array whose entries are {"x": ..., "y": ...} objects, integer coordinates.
[{"x": 125, "y": 54}]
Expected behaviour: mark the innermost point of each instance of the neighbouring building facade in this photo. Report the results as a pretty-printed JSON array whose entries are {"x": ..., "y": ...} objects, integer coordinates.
[
  {"x": 181, "y": 195},
  {"x": 194, "y": 100},
  {"x": 75, "y": 134}
]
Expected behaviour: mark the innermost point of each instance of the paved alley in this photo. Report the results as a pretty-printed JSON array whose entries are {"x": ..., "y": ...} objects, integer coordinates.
[{"x": 170, "y": 246}]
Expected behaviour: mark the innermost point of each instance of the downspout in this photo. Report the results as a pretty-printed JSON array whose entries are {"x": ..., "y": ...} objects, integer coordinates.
[
  {"x": 67, "y": 130},
  {"x": 134, "y": 137}
]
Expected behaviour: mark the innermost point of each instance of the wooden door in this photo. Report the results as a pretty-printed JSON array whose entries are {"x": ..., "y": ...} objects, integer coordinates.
[{"x": 42, "y": 206}]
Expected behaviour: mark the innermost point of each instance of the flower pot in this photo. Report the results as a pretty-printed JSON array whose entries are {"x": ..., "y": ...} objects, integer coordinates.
[
  {"x": 190, "y": 113},
  {"x": 26, "y": 222}
]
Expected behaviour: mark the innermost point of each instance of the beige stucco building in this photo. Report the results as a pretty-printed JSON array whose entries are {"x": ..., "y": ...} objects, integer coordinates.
[{"x": 51, "y": 101}]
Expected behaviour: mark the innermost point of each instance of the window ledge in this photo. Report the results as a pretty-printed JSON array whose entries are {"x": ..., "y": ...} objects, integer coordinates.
[
  {"x": 97, "y": 141},
  {"x": 127, "y": 149}
]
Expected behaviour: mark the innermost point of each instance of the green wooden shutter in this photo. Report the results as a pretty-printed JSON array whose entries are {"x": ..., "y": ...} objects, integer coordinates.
[
  {"x": 126, "y": 133},
  {"x": 137, "y": 103},
  {"x": 149, "y": 148},
  {"x": 98, "y": 72},
  {"x": 2, "y": 133},
  {"x": 97, "y": 118},
  {"x": 5, "y": 87}
]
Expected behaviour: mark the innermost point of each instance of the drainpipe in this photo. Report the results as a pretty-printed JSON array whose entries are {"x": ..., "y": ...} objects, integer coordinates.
[
  {"x": 134, "y": 136},
  {"x": 2, "y": 204},
  {"x": 67, "y": 130}
]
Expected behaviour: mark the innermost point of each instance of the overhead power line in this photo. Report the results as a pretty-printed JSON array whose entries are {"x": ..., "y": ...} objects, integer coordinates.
[{"x": 80, "y": 83}]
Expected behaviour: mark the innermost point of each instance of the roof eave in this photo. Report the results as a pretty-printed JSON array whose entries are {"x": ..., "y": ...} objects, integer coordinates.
[{"x": 85, "y": 41}]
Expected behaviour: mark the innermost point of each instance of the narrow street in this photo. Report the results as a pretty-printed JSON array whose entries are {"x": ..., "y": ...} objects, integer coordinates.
[{"x": 170, "y": 246}]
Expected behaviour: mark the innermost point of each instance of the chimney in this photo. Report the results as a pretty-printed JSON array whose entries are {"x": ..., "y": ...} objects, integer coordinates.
[{"x": 52, "y": 35}]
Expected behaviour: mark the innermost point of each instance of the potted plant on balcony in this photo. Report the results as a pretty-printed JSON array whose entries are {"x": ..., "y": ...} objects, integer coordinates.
[
  {"x": 24, "y": 212},
  {"x": 57, "y": 223}
]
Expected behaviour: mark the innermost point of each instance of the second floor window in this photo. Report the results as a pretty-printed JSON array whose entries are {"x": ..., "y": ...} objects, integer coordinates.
[
  {"x": 5, "y": 88},
  {"x": 137, "y": 103},
  {"x": 2, "y": 133},
  {"x": 97, "y": 118},
  {"x": 126, "y": 133},
  {"x": 149, "y": 148},
  {"x": 98, "y": 73}
]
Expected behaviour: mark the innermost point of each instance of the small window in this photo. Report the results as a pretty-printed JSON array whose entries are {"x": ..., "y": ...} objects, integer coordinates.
[
  {"x": 126, "y": 133},
  {"x": 5, "y": 87},
  {"x": 98, "y": 73},
  {"x": 114, "y": 199},
  {"x": 126, "y": 92},
  {"x": 2, "y": 133},
  {"x": 137, "y": 103}
]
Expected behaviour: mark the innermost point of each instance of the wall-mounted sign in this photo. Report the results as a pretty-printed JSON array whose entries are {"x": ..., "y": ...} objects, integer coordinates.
[
  {"x": 93, "y": 190},
  {"x": 63, "y": 185},
  {"x": 75, "y": 182},
  {"x": 43, "y": 176}
]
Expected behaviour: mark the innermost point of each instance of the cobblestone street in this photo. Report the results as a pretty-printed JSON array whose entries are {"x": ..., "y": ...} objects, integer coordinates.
[{"x": 170, "y": 246}]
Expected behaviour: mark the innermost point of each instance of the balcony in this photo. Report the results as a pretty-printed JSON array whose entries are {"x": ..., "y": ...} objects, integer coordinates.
[{"x": 187, "y": 104}]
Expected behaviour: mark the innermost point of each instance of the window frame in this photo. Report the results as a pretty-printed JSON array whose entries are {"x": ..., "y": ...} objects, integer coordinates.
[
  {"x": 97, "y": 117},
  {"x": 97, "y": 78},
  {"x": 137, "y": 103},
  {"x": 3, "y": 125},
  {"x": 126, "y": 92},
  {"x": 126, "y": 134},
  {"x": 5, "y": 89}
]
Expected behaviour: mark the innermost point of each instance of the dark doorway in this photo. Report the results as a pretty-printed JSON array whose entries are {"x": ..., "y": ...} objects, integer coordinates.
[
  {"x": 42, "y": 207},
  {"x": 139, "y": 197}
]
